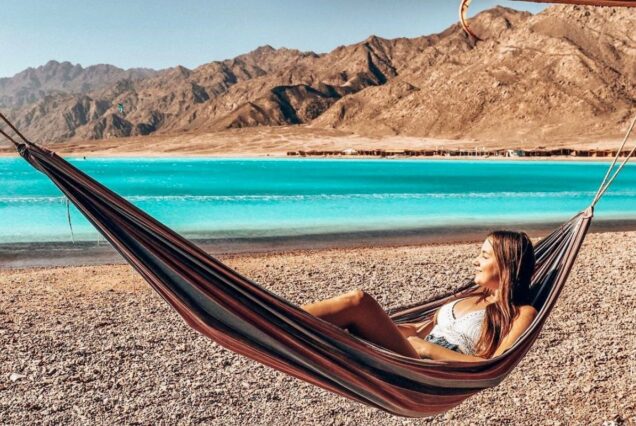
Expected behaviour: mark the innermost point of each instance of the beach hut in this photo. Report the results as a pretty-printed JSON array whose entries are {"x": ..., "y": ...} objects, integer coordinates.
[
  {"x": 515, "y": 153},
  {"x": 538, "y": 153},
  {"x": 561, "y": 151},
  {"x": 604, "y": 153},
  {"x": 580, "y": 153},
  {"x": 349, "y": 151}
]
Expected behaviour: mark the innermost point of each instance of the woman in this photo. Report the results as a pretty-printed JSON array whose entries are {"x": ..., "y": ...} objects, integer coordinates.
[{"x": 471, "y": 329}]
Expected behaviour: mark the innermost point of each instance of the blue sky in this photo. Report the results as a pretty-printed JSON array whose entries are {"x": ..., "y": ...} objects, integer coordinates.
[{"x": 161, "y": 33}]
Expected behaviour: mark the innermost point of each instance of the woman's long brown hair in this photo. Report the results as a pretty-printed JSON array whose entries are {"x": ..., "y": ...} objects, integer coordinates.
[{"x": 514, "y": 255}]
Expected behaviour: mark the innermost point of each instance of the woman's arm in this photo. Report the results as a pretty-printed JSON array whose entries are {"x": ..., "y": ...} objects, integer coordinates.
[
  {"x": 417, "y": 329},
  {"x": 426, "y": 349},
  {"x": 408, "y": 329},
  {"x": 526, "y": 315}
]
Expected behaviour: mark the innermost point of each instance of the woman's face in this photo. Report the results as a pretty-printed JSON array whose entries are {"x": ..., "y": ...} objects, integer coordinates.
[{"x": 487, "y": 273}]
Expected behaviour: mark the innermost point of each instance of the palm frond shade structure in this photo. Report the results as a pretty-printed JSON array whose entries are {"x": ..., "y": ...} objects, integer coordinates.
[
  {"x": 464, "y": 4},
  {"x": 242, "y": 316}
]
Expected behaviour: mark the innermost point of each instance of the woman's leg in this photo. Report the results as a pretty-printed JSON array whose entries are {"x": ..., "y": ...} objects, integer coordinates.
[{"x": 363, "y": 316}]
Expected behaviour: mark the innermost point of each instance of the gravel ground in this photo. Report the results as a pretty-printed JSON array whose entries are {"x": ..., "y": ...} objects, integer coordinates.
[{"x": 94, "y": 345}]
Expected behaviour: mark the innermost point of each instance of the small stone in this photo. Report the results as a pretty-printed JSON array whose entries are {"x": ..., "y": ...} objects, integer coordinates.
[{"x": 16, "y": 376}]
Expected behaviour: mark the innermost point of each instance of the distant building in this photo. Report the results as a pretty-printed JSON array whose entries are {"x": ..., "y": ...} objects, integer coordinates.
[
  {"x": 349, "y": 151},
  {"x": 515, "y": 153}
]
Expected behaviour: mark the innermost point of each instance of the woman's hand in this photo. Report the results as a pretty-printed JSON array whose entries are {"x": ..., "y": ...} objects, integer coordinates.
[
  {"x": 419, "y": 329},
  {"x": 407, "y": 330},
  {"x": 432, "y": 351},
  {"x": 421, "y": 346}
]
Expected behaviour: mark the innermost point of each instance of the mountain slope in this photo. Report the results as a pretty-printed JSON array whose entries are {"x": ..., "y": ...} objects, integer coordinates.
[
  {"x": 34, "y": 84},
  {"x": 568, "y": 69}
]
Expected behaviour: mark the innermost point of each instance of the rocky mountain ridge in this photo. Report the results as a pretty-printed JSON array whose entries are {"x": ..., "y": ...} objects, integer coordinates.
[
  {"x": 567, "y": 69},
  {"x": 34, "y": 84}
]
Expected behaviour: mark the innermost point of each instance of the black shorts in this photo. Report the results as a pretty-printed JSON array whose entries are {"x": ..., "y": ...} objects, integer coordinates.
[{"x": 441, "y": 341}]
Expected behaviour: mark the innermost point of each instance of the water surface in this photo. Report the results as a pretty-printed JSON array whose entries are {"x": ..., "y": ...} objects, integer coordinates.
[{"x": 237, "y": 198}]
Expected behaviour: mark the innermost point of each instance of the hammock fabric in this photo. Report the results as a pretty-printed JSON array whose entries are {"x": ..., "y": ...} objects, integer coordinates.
[{"x": 242, "y": 316}]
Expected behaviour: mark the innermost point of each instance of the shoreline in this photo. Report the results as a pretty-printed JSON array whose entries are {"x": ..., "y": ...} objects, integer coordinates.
[
  {"x": 279, "y": 156},
  {"x": 62, "y": 254},
  {"x": 277, "y": 142}
]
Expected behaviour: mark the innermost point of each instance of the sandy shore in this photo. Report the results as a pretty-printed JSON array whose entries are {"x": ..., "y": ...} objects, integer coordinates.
[
  {"x": 94, "y": 345},
  {"x": 277, "y": 141},
  {"x": 98, "y": 252}
]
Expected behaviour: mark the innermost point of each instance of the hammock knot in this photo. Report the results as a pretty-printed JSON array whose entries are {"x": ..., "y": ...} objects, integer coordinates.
[{"x": 22, "y": 149}]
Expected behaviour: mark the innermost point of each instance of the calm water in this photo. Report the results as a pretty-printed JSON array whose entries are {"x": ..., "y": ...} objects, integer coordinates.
[{"x": 251, "y": 198}]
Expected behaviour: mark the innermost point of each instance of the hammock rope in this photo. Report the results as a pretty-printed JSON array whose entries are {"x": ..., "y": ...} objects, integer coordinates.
[
  {"x": 68, "y": 217},
  {"x": 606, "y": 183},
  {"x": 246, "y": 318},
  {"x": 26, "y": 141}
]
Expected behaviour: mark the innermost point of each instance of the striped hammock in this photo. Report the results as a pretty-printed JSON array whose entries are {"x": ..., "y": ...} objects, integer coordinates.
[{"x": 244, "y": 317}]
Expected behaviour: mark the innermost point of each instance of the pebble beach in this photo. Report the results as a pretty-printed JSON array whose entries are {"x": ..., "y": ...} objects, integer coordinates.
[{"x": 95, "y": 345}]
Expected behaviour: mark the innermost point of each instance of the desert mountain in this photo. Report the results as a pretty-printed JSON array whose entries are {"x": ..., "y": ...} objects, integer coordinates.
[
  {"x": 567, "y": 69},
  {"x": 34, "y": 84}
]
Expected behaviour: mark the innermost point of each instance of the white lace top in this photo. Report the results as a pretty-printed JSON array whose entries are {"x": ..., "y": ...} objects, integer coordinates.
[{"x": 463, "y": 331}]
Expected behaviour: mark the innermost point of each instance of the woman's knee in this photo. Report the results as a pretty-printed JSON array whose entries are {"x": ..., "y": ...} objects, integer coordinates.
[{"x": 356, "y": 298}]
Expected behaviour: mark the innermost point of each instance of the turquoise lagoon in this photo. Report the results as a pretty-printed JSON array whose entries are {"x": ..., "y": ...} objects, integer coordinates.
[{"x": 252, "y": 198}]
